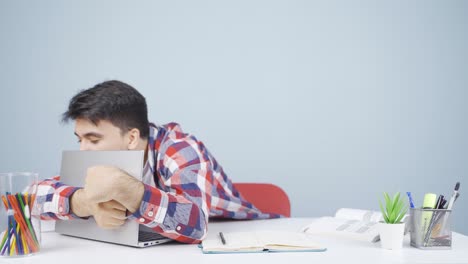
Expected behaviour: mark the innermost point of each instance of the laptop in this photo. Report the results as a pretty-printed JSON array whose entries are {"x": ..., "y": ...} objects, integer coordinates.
[{"x": 73, "y": 173}]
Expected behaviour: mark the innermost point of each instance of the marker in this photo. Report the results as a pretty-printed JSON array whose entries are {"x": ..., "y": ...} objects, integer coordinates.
[
  {"x": 410, "y": 198},
  {"x": 426, "y": 216},
  {"x": 430, "y": 200}
]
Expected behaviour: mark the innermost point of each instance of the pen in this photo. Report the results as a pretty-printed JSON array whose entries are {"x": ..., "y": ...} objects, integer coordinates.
[
  {"x": 442, "y": 204},
  {"x": 223, "y": 240},
  {"x": 410, "y": 199},
  {"x": 450, "y": 205},
  {"x": 452, "y": 199},
  {"x": 439, "y": 201}
]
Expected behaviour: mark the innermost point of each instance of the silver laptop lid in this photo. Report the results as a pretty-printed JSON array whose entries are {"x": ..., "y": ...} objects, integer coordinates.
[{"x": 73, "y": 173}]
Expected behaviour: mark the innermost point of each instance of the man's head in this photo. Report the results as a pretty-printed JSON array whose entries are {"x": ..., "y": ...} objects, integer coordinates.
[{"x": 109, "y": 116}]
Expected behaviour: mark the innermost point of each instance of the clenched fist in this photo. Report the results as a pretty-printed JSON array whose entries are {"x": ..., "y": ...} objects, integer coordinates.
[
  {"x": 107, "y": 194},
  {"x": 109, "y": 214},
  {"x": 105, "y": 183}
]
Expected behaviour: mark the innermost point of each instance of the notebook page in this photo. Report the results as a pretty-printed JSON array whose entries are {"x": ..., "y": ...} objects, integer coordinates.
[
  {"x": 279, "y": 239},
  {"x": 234, "y": 240}
]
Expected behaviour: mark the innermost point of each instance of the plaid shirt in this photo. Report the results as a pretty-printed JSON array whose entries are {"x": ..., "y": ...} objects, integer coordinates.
[{"x": 184, "y": 185}]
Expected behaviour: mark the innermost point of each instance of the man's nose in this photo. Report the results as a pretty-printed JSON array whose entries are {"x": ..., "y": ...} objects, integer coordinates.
[{"x": 84, "y": 146}]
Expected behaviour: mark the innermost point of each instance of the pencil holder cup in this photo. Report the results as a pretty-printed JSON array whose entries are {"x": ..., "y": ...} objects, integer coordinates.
[
  {"x": 20, "y": 229},
  {"x": 430, "y": 228}
]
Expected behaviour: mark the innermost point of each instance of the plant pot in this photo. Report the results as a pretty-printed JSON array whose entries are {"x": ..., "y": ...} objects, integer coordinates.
[{"x": 391, "y": 235}]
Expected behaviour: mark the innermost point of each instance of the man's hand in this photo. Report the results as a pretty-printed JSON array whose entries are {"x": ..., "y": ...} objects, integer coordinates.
[
  {"x": 106, "y": 183},
  {"x": 79, "y": 204},
  {"x": 109, "y": 214}
]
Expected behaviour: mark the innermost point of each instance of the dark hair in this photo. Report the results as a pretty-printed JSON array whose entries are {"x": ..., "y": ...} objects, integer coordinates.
[{"x": 114, "y": 101}]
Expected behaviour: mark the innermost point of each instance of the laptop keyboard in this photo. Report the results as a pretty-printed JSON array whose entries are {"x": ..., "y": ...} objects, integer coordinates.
[{"x": 144, "y": 236}]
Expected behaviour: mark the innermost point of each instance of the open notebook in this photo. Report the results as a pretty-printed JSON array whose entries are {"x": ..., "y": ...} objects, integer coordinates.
[
  {"x": 349, "y": 223},
  {"x": 261, "y": 241}
]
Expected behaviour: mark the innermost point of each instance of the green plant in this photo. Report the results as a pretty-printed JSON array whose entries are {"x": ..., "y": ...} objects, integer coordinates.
[{"x": 395, "y": 209}]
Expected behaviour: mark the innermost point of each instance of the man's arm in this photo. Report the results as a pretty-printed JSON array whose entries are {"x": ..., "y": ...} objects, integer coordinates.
[
  {"x": 180, "y": 209},
  {"x": 180, "y": 214},
  {"x": 79, "y": 205},
  {"x": 55, "y": 201}
]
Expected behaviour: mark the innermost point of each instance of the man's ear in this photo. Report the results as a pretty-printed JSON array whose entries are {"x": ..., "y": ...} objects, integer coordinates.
[{"x": 133, "y": 139}]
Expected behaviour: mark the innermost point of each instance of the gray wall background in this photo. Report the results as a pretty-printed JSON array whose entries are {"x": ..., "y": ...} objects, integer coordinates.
[{"x": 335, "y": 101}]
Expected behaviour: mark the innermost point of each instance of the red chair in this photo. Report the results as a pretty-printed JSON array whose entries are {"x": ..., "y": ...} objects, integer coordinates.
[{"x": 267, "y": 197}]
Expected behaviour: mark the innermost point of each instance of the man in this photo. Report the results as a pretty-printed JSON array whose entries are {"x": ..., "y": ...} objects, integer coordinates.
[{"x": 183, "y": 185}]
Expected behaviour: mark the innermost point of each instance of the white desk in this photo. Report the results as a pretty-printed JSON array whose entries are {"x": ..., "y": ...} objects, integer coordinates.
[{"x": 56, "y": 248}]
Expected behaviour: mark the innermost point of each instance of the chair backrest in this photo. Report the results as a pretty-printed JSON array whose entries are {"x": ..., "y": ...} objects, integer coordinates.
[{"x": 267, "y": 197}]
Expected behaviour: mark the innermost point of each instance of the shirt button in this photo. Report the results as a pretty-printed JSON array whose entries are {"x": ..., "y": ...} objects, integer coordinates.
[
  {"x": 142, "y": 220},
  {"x": 178, "y": 228},
  {"x": 150, "y": 213}
]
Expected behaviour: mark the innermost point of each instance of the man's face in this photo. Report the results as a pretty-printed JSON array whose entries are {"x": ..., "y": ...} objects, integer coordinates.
[{"x": 103, "y": 136}]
